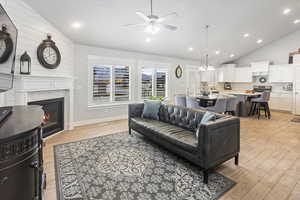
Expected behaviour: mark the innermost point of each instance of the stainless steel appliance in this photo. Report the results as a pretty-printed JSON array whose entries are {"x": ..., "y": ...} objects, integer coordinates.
[
  {"x": 227, "y": 86},
  {"x": 262, "y": 88}
]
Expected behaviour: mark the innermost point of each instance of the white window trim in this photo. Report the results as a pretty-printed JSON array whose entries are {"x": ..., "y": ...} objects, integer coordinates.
[{"x": 110, "y": 61}]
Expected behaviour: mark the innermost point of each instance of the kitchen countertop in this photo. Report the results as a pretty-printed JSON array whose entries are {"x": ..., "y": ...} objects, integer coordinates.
[
  {"x": 282, "y": 92},
  {"x": 239, "y": 93}
]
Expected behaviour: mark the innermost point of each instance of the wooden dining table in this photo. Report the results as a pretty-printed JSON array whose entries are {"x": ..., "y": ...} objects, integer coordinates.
[{"x": 205, "y": 101}]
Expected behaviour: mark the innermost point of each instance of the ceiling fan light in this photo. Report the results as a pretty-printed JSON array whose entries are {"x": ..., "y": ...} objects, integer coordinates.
[
  {"x": 211, "y": 68},
  {"x": 201, "y": 69},
  {"x": 152, "y": 29}
]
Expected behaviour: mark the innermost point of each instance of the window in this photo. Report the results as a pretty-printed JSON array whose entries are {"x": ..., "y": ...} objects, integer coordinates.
[
  {"x": 121, "y": 83},
  {"x": 161, "y": 83},
  {"x": 154, "y": 82},
  {"x": 147, "y": 76},
  {"x": 111, "y": 83},
  {"x": 101, "y": 82}
]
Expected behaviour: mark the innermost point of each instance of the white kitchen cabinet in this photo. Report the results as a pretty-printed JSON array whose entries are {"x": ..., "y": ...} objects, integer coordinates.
[
  {"x": 260, "y": 67},
  {"x": 220, "y": 74},
  {"x": 208, "y": 76},
  {"x": 281, "y": 74},
  {"x": 229, "y": 73},
  {"x": 226, "y": 73},
  {"x": 297, "y": 90},
  {"x": 243, "y": 75},
  {"x": 281, "y": 101}
]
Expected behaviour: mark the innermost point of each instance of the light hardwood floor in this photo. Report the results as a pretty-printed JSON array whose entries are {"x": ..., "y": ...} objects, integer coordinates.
[{"x": 269, "y": 166}]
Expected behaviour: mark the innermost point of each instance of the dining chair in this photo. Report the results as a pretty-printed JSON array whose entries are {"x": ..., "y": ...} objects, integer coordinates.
[
  {"x": 180, "y": 100},
  {"x": 191, "y": 102},
  {"x": 231, "y": 105},
  {"x": 220, "y": 106}
]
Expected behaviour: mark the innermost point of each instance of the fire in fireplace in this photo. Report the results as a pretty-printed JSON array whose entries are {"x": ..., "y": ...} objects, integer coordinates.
[{"x": 53, "y": 115}]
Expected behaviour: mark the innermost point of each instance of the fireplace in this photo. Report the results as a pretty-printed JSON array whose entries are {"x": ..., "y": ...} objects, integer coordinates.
[{"x": 53, "y": 115}]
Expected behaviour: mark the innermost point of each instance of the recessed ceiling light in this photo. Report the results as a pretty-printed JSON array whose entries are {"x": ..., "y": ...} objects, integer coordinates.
[
  {"x": 148, "y": 40},
  {"x": 259, "y": 41},
  {"x": 76, "y": 25},
  {"x": 218, "y": 52},
  {"x": 246, "y": 35},
  {"x": 191, "y": 49},
  {"x": 286, "y": 11},
  {"x": 296, "y": 21},
  {"x": 232, "y": 55}
]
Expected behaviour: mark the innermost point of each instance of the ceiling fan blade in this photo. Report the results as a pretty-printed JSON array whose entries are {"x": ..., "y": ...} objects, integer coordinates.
[
  {"x": 166, "y": 17},
  {"x": 170, "y": 27},
  {"x": 135, "y": 25},
  {"x": 143, "y": 16}
]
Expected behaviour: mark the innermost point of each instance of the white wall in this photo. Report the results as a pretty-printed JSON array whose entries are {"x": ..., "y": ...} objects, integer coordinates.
[
  {"x": 32, "y": 29},
  {"x": 85, "y": 114},
  {"x": 277, "y": 52}
]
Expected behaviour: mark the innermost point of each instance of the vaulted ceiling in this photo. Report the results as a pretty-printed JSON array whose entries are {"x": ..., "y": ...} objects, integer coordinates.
[{"x": 103, "y": 24}]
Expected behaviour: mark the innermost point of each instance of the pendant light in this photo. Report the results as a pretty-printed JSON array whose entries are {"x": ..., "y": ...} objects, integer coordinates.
[
  {"x": 202, "y": 67},
  {"x": 206, "y": 66}
]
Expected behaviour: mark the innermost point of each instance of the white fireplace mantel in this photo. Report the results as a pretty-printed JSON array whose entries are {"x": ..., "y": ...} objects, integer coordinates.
[
  {"x": 28, "y": 88},
  {"x": 42, "y": 83}
]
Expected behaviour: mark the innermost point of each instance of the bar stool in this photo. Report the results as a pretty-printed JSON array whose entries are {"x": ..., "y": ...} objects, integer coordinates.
[{"x": 261, "y": 103}]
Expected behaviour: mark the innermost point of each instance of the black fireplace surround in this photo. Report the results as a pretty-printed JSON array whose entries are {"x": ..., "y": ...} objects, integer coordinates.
[{"x": 53, "y": 115}]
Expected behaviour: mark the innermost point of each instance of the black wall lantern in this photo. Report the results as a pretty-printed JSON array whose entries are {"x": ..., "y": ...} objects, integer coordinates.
[{"x": 25, "y": 64}]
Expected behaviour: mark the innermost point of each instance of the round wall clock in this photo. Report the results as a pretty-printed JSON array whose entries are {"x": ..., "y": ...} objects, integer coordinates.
[
  {"x": 48, "y": 54},
  {"x": 178, "y": 71},
  {"x": 6, "y": 45}
]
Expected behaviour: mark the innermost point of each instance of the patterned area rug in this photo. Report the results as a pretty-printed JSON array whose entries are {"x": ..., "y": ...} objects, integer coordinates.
[{"x": 123, "y": 167}]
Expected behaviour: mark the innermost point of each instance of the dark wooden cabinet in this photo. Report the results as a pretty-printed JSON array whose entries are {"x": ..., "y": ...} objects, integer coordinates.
[
  {"x": 20, "y": 181},
  {"x": 21, "y": 160}
]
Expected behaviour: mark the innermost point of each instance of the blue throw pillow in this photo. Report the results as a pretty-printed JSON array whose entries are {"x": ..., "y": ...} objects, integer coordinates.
[
  {"x": 151, "y": 109},
  {"x": 208, "y": 116}
]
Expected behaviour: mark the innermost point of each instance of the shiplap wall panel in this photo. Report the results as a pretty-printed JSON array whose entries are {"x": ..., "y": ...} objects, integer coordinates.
[{"x": 33, "y": 28}]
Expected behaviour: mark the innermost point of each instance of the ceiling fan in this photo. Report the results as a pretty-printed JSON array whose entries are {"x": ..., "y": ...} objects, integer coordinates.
[{"x": 153, "y": 23}]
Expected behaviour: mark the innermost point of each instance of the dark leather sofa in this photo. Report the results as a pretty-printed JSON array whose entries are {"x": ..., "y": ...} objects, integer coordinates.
[{"x": 218, "y": 140}]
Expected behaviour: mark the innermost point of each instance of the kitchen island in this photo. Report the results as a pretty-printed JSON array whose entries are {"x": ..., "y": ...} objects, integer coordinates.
[{"x": 244, "y": 101}]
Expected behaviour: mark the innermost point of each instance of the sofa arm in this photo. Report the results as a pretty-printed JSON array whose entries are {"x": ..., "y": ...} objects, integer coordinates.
[
  {"x": 135, "y": 110},
  {"x": 219, "y": 141}
]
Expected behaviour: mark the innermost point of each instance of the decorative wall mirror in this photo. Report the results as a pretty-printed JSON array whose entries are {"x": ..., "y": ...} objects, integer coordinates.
[{"x": 178, "y": 72}]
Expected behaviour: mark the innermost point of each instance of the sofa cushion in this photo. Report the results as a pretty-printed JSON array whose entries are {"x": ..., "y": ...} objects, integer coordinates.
[
  {"x": 180, "y": 116},
  {"x": 174, "y": 134},
  {"x": 151, "y": 109}
]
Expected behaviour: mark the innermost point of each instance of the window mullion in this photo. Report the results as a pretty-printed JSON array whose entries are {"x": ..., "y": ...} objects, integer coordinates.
[
  {"x": 154, "y": 76},
  {"x": 112, "y": 85},
  {"x": 167, "y": 85}
]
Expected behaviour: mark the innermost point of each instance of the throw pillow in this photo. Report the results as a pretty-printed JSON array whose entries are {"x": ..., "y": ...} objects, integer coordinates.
[
  {"x": 151, "y": 109},
  {"x": 208, "y": 116}
]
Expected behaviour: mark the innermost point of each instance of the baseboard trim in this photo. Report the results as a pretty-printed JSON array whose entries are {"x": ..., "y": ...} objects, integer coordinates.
[
  {"x": 54, "y": 134},
  {"x": 99, "y": 120},
  {"x": 282, "y": 111}
]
